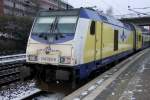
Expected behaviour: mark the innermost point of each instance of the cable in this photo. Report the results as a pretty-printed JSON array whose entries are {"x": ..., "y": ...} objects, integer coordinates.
[
  {"x": 142, "y": 8},
  {"x": 130, "y": 14},
  {"x": 137, "y": 12}
]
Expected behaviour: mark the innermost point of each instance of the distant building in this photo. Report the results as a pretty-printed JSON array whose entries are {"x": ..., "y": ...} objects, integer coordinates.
[
  {"x": 29, "y": 7},
  {"x": 54, "y": 4},
  {"x": 1, "y": 7}
]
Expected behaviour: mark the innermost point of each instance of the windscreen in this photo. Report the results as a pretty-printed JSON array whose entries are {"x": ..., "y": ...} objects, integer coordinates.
[
  {"x": 54, "y": 28},
  {"x": 43, "y": 24},
  {"x": 62, "y": 24},
  {"x": 66, "y": 24}
]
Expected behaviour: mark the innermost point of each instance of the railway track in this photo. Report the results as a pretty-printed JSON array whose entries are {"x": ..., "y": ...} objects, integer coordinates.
[
  {"x": 12, "y": 73},
  {"x": 10, "y": 68},
  {"x": 12, "y": 87}
]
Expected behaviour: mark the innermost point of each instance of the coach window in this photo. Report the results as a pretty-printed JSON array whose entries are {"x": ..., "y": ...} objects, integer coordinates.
[
  {"x": 115, "y": 40},
  {"x": 92, "y": 28}
]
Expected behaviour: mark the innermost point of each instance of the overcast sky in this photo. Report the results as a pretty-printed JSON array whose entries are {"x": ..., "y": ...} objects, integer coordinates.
[{"x": 119, "y": 6}]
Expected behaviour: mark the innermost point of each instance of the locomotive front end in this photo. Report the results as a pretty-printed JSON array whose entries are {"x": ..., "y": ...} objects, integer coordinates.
[{"x": 51, "y": 40}]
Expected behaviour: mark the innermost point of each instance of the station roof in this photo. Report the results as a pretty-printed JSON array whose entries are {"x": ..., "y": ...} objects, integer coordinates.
[{"x": 142, "y": 21}]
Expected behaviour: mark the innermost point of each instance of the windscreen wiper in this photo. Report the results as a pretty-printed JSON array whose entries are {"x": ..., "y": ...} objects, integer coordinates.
[
  {"x": 55, "y": 25},
  {"x": 52, "y": 27}
]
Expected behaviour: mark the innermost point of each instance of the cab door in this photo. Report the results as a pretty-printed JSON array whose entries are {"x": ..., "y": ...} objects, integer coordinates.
[
  {"x": 90, "y": 45},
  {"x": 98, "y": 43},
  {"x": 93, "y": 47}
]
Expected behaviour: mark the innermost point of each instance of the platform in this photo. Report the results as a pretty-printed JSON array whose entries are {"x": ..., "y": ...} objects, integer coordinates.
[{"x": 129, "y": 80}]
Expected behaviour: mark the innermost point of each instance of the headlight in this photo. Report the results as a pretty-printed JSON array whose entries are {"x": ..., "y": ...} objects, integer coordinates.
[
  {"x": 32, "y": 58},
  {"x": 65, "y": 60}
]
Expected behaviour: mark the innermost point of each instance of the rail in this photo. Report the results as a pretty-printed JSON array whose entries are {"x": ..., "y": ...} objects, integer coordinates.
[{"x": 12, "y": 58}]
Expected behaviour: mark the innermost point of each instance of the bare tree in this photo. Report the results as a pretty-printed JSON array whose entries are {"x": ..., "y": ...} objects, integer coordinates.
[
  {"x": 109, "y": 11},
  {"x": 37, "y": 2}
]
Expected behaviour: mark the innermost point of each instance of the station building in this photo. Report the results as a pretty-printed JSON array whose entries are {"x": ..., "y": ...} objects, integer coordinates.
[{"x": 30, "y": 7}]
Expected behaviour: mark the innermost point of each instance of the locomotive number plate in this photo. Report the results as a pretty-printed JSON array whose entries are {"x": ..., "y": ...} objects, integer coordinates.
[{"x": 52, "y": 59}]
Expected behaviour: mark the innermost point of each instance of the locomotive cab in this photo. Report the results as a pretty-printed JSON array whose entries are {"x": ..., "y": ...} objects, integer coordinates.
[{"x": 51, "y": 38}]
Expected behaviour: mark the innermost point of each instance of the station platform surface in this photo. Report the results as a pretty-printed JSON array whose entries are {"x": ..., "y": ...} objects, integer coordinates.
[
  {"x": 132, "y": 84},
  {"x": 129, "y": 80}
]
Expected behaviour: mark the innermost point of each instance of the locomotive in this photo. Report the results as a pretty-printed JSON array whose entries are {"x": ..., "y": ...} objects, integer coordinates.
[{"x": 71, "y": 44}]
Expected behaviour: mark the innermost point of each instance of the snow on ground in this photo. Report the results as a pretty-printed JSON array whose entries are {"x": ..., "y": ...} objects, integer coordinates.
[{"x": 18, "y": 91}]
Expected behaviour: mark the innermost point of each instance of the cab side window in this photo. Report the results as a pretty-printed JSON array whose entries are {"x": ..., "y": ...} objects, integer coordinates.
[
  {"x": 92, "y": 28},
  {"x": 140, "y": 38},
  {"x": 115, "y": 40}
]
